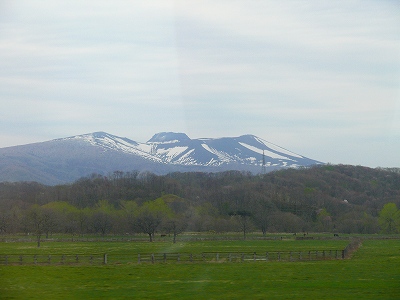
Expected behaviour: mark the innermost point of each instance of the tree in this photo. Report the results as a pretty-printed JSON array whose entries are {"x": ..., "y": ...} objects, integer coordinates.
[
  {"x": 5, "y": 220},
  {"x": 262, "y": 213},
  {"x": 176, "y": 225},
  {"x": 202, "y": 217},
  {"x": 82, "y": 218},
  {"x": 49, "y": 221},
  {"x": 15, "y": 215},
  {"x": 244, "y": 219},
  {"x": 324, "y": 220},
  {"x": 64, "y": 216},
  {"x": 177, "y": 220},
  {"x": 369, "y": 224},
  {"x": 286, "y": 222},
  {"x": 9, "y": 218},
  {"x": 389, "y": 218},
  {"x": 103, "y": 217},
  {"x": 129, "y": 212},
  {"x": 39, "y": 221},
  {"x": 150, "y": 216}
]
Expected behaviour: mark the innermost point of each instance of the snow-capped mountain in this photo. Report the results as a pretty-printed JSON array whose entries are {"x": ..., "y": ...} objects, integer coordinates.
[
  {"x": 68, "y": 159},
  {"x": 179, "y": 149}
]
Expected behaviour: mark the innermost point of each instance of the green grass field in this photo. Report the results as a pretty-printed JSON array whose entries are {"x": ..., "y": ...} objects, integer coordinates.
[{"x": 373, "y": 272}]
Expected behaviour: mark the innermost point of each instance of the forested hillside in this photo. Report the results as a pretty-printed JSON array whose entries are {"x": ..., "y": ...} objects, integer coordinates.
[{"x": 331, "y": 198}]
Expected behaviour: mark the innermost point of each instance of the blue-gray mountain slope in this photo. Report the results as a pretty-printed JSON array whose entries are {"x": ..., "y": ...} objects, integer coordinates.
[{"x": 67, "y": 159}]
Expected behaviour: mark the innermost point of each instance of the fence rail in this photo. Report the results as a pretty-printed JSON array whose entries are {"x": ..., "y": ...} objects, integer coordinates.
[
  {"x": 145, "y": 238},
  {"x": 204, "y": 257},
  {"x": 239, "y": 257},
  {"x": 27, "y": 259}
]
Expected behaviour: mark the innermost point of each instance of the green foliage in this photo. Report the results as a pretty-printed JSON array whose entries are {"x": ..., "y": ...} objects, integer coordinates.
[
  {"x": 61, "y": 207},
  {"x": 129, "y": 207},
  {"x": 151, "y": 215},
  {"x": 287, "y": 200},
  {"x": 389, "y": 218}
]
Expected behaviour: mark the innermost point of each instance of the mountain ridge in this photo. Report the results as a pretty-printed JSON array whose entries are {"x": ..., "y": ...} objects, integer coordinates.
[{"x": 67, "y": 159}]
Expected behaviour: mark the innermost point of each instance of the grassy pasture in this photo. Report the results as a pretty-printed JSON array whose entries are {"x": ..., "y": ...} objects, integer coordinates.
[
  {"x": 372, "y": 273},
  {"x": 126, "y": 248},
  {"x": 127, "y": 252}
]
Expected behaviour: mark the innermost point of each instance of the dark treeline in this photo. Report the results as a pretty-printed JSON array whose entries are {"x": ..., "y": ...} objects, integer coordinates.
[{"x": 329, "y": 198}]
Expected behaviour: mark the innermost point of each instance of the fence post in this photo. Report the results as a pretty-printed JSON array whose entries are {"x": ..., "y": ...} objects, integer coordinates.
[
  {"x": 105, "y": 258},
  {"x": 217, "y": 257},
  {"x": 6, "y": 260},
  {"x": 179, "y": 257},
  {"x": 242, "y": 257},
  {"x": 152, "y": 258},
  {"x": 309, "y": 255},
  {"x": 34, "y": 259},
  {"x": 49, "y": 258},
  {"x": 191, "y": 257},
  {"x": 279, "y": 256},
  {"x": 300, "y": 256},
  {"x": 165, "y": 257},
  {"x": 342, "y": 254},
  {"x": 266, "y": 256},
  {"x": 138, "y": 258},
  {"x": 62, "y": 258},
  {"x": 230, "y": 257},
  {"x": 254, "y": 256}
]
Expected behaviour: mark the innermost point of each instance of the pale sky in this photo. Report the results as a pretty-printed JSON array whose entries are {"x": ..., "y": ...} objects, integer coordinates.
[{"x": 320, "y": 78}]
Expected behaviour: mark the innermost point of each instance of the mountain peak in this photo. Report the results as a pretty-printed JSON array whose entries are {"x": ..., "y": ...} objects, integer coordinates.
[
  {"x": 99, "y": 152},
  {"x": 165, "y": 137},
  {"x": 99, "y": 134}
]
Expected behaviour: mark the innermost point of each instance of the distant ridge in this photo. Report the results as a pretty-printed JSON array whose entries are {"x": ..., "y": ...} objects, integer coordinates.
[{"x": 68, "y": 159}]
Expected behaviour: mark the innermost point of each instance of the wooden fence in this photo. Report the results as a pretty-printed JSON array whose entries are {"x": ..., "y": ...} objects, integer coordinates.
[
  {"x": 158, "y": 238},
  {"x": 151, "y": 258},
  {"x": 28, "y": 259},
  {"x": 214, "y": 257}
]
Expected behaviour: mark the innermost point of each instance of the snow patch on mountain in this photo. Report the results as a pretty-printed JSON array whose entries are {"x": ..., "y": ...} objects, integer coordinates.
[
  {"x": 266, "y": 152},
  {"x": 186, "y": 158},
  {"x": 114, "y": 143},
  {"x": 277, "y": 148},
  {"x": 67, "y": 159},
  {"x": 170, "y": 153},
  {"x": 222, "y": 156},
  {"x": 179, "y": 149}
]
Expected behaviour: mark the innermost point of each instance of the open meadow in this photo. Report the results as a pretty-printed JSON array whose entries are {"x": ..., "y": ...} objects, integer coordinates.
[{"x": 372, "y": 272}]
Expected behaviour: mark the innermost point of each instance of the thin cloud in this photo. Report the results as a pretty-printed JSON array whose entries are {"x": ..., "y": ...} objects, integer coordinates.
[{"x": 307, "y": 75}]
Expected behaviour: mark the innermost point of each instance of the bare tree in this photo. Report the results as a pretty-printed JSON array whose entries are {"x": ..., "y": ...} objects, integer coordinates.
[
  {"x": 176, "y": 226},
  {"x": 148, "y": 223},
  {"x": 38, "y": 222},
  {"x": 102, "y": 218},
  {"x": 151, "y": 215},
  {"x": 244, "y": 219},
  {"x": 262, "y": 212}
]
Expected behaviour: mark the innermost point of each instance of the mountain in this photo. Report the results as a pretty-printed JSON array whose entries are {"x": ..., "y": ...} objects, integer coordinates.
[{"x": 68, "y": 159}]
